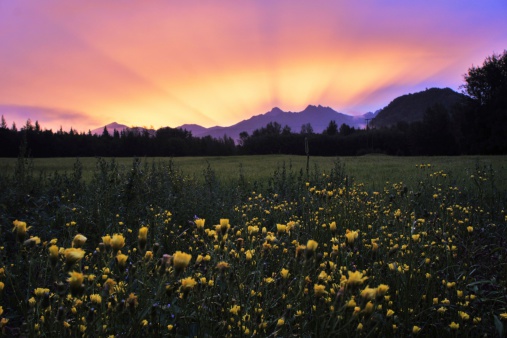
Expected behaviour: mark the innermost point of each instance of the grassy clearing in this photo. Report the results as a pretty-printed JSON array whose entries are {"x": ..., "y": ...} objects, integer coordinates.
[
  {"x": 151, "y": 248},
  {"x": 373, "y": 170}
]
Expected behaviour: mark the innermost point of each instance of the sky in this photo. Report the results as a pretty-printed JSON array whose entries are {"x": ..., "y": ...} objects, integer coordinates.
[{"x": 158, "y": 63}]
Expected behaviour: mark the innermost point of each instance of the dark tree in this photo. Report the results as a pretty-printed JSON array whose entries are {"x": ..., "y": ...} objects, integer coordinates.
[
  {"x": 306, "y": 129},
  {"x": 482, "y": 121},
  {"x": 332, "y": 128}
]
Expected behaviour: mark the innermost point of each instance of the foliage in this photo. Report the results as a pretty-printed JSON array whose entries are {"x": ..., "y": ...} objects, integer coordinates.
[
  {"x": 482, "y": 121},
  {"x": 148, "y": 250}
]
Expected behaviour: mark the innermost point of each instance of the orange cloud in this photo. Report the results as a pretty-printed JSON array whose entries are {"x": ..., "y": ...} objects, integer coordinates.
[{"x": 166, "y": 63}]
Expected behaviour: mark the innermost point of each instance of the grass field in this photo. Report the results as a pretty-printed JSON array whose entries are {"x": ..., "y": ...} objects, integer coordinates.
[
  {"x": 372, "y": 170},
  {"x": 185, "y": 247}
]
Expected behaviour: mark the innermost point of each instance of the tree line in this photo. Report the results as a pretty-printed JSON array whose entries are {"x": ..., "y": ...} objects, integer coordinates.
[{"x": 477, "y": 125}]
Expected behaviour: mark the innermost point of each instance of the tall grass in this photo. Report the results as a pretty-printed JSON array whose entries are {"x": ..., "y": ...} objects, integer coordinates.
[{"x": 212, "y": 254}]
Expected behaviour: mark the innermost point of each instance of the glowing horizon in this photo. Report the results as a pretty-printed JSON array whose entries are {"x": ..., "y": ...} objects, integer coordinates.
[{"x": 165, "y": 63}]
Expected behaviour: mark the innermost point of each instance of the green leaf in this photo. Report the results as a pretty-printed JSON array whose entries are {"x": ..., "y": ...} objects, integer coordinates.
[{"x": 499, "y": 326}]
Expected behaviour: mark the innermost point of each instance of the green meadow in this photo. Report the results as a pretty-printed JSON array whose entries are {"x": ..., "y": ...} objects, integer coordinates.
[
  {"x": 254, "y": 246},
  {"x": 372, "y": 170}
]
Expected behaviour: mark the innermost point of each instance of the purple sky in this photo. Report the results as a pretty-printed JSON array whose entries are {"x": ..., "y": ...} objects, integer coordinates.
[{"x": 84, "y": 64}]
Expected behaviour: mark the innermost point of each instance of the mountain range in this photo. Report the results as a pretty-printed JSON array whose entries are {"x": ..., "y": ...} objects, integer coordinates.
[
  {"x": 407, "y": 108},
  {"x": 318, "y": 116}
]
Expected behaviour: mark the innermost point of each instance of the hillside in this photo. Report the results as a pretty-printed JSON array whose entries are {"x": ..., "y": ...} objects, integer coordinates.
[{"x": 411, "y": 107}]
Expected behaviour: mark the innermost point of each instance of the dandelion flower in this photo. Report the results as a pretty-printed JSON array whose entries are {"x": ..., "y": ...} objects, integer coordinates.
[
  {"x": 78, "y": 241},
  {"x": 224, "y": 225},
  {"x": 454, "y": 326},
  {"x": 199, "y": 223},
  {"x": 221, "y": 266},
  {"x": 95, "y": 298},
  {"x": 187, "y": 284},
  {"x": 117, "y": 242},
  {"x": 121, "y": 259},
  {"x": 312, "y": 245},
  {"x": 132, "y": 300},
  {"x": 106, "y": 240},
  {"x": 369, "y": 293},
  {"x": 54, "y": 252},
  {"x": 73, "y": 255},
  {"x": 351, "y": 236},
  {"x": 235, "y": 309},
  {"x": 382, "y": 289},
  {"x": 20, "y": 229},
  {"x": 319, "y": 290},
  {"x": 355, "y": 278},
  {"x": 143, "y": 237},
  {"x": 75, "y": 282},
  {"x": 181, "y": 261}
]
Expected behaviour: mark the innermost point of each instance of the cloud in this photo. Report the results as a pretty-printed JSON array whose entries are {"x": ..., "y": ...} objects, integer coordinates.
[
  {"x": 166, "y": 63},
  {"x": 48, "y": 118}
]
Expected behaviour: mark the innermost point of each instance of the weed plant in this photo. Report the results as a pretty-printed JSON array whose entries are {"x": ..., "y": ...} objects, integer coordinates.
[{"x": 147, "y": 250}]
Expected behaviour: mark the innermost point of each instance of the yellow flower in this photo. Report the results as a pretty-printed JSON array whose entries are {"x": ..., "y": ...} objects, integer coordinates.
[
  {"x": 121, "y": 259},
  {"x": 73, "y": 255},
  {"x": 143, "y": 237},
  {"x": 20, "y": 229},
  {"x": 359, "y": 327},
  {"x": 248, "y": 255},
  {"x": 181, "y": 261},
  {"x": 503, "y": 315},
  {"x": 355, "y": 278},
  {"x": 187, "y": 284},
  {"x": 369, "y": 293},
  {"x": 464, "y": 315},
  {"x": 454, "y": 326},
  {"x": 284, "y": 273},
  {"x": 2, "y": 285},
  {"x": 40, "y": 292},
  {"x": 235, "y": 309},
  {"x": 416, "y": 329},
  {"x": 369, "y": 307},
  {"x": 199, "y": 223},
  {"x": 132, "y": 300},
  {"x": 332, "y": 226},
  {"x": 351, "y": 236},
  {"x": 441, "y": 310},
  {"x": 117, "y": 242},
  {"x": 75, "y": 282},
  {"x": 312, "y": 245},
  {"x": 148, "y": 255},
  {"x": 170, "y": 327},
  {"x": 78, "y": 241},
  {"x": 382, "y": 289},
  {"x": 95, "y": 298},
  {"x": 221, "y": 266},
  {"x": 389, "y": 313},
  {"x": 470, "y": 229},
  {"x": 53, "y": 253},
  {"x": 319, "y": 290},
  {"x": 106, "y": 240},
  {"x": 280, "y": 322},
  {"x": 281, "y": 228},
  {"x": 224, "y": 225}
]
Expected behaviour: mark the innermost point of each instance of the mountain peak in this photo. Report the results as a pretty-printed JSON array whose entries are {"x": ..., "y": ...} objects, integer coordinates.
[{"x": 274, "y": 111}]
